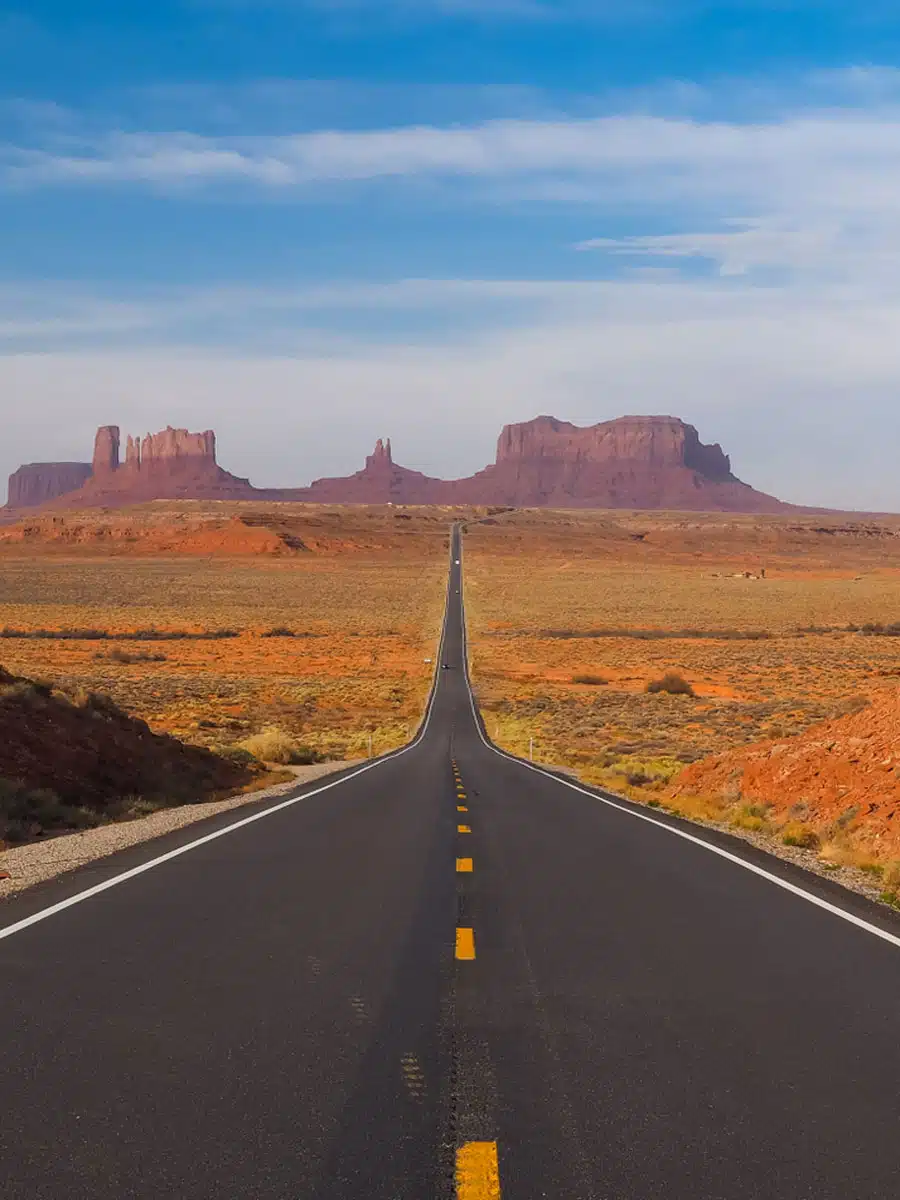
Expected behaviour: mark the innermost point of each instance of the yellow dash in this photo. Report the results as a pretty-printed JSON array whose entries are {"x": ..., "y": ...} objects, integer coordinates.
[
  {"x": 465, "y": 944},
  {"x": 461, "y": 808},
  {"x": 464, "y": 865},
  {"x": 477, "y": 1172},
  {"x": 463, "y": 829}
]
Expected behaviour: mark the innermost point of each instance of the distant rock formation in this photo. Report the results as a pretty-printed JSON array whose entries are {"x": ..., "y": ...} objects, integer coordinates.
[
  {"x": 170, "y": 465},
  {"x": 631, "y": 462},
  {"x": 39, "y": 483},
  {"x": 106, "y": 451}
]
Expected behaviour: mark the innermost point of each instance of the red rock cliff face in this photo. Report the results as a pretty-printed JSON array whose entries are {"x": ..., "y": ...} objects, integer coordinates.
[
  {"x": 106, "y": 451},
  {"x": 653, "y": 441},
  {"x": 39, "y": 483},
  {"x": 177, "y": 450},
  {"x": 174, "y": 464},
  {"x": 632, "y": 462}
]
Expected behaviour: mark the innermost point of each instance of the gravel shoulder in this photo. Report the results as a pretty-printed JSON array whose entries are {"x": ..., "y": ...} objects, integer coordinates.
[{"x": 39, "y": 861}]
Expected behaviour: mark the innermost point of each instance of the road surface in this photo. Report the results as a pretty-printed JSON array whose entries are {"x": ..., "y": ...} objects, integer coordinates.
[{"x": 440, "y": 969}]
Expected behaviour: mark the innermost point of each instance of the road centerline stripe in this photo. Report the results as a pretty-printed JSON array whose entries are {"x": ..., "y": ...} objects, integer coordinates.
[
  {"x": 464, "y": 865},
  {"x": 465, "y": 944},
  {"x": 477, "y": 1171}
]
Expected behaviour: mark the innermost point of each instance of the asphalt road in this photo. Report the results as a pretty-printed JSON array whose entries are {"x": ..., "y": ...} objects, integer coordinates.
[{"x": 326, "y": 1002}]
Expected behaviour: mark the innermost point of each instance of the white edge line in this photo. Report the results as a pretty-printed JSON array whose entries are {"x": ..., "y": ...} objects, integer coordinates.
[
  {"x": 79, "y": 897},
  {"x": 793, "y": 888}
]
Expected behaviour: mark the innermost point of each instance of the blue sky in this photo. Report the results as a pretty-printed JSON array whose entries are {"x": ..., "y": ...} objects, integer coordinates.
[{"x": 310, "y": 223}]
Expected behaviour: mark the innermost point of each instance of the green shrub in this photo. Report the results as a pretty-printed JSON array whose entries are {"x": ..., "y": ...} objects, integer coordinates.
[
  {"x": 592, "y": 680},
  {"x": 305, "y": 756},
  {"x": 801, "y": 836},
  {"x": 118, "y": 655},
  {"x": 238, "y": 755},
  {"x": 27, "y": 813},
  {"x": 672, "y": 682}
]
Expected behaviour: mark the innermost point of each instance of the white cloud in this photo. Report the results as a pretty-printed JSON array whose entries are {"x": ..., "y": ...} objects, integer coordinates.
[
  {"x": 833, "y": 161},
  {"x": 744, "y": 246}
]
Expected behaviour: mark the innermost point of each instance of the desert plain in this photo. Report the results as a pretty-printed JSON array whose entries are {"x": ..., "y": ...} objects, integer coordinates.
[{"x": 218, "y": 623}]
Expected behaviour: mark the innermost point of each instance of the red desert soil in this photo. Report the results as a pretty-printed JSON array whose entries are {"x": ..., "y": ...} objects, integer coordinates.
[{"x": 842, "y": 776}]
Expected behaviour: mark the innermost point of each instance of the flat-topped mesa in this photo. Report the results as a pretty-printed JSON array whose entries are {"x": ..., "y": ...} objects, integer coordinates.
[
  {"x": 653, "y": 441},
  {"x": 39, "y": 483}
]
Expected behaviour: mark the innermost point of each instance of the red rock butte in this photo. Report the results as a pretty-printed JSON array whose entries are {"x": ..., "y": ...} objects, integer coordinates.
[{"x": 631, "y": 462}]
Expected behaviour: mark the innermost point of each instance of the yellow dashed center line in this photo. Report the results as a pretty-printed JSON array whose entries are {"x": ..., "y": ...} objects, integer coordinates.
[
  {"x": 463, "y": 829},
  {"x": 465, "y": 944},
  {"x": 464, "y": 865},
  {"x": 461, "y": 808},
  {"x": 477, "y": 1172}
]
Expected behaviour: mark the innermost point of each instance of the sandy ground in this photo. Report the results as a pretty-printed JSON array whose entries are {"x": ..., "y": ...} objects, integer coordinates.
[{"x": 34, "y": 863}]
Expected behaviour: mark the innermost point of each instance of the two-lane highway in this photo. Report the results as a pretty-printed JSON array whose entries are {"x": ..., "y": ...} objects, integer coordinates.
[{"x": 437, "y": 970}]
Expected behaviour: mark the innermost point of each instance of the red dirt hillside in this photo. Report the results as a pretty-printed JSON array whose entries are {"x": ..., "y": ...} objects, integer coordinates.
[
  {"x": 840, "y": 779},
  {"x": 73, "y": 763}
]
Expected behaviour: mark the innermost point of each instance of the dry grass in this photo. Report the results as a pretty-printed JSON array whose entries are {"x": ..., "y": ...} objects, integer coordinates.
[{"x": 363, "y": 615}]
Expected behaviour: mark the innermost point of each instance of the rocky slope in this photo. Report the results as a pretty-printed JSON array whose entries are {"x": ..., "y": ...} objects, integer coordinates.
[
  {"x": 632, "y": 462},
  {"x": 840, "y": 780}
]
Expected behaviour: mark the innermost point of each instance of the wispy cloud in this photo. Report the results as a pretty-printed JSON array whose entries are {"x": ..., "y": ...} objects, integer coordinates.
[
  {"x": 853, "y": 153},
  {"x": 743, "y": 246},
  {"x": 836, "y": 123}
]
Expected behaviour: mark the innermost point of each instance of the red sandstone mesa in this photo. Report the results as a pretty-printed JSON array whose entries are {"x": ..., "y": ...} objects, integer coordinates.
[
  {"x": 632, "y": 462},
  {"x": 170, "y": 465},
  {"x": 39, "y": 483}
]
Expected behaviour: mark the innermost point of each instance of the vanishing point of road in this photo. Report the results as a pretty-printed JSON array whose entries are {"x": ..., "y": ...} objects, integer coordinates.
[{"x": 447, "y": 974}]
